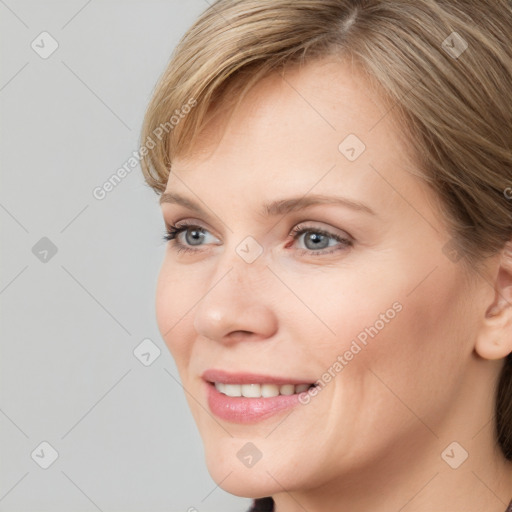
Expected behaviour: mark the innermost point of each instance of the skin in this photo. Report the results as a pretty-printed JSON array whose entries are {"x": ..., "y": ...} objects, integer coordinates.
[{"x": 372, "y": 438}]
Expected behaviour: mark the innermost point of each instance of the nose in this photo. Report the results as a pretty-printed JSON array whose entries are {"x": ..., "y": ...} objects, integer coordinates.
[{"x": 237, "y": 305}]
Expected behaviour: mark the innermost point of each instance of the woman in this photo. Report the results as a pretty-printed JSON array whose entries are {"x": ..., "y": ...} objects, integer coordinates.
[{"x": 334, "y": 177}]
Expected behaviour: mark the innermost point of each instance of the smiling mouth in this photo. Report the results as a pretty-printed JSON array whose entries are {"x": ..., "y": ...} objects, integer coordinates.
[{"x": 264, "y": 390}]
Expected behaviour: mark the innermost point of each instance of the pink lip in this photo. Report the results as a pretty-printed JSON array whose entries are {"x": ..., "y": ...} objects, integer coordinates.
[
  {"x": 243, "y": 409},
  {"x": 246, "y": 410},
  {"x": 213, "y": 375}
]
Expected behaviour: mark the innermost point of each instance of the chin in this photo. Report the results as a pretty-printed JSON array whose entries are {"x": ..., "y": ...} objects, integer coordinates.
[
  {"x": 264, "y": 478},
  {"x": 245, "y": 484}
]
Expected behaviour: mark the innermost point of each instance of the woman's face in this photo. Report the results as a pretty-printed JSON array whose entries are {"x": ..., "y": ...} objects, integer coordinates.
[{"x": 367, "y": 294}]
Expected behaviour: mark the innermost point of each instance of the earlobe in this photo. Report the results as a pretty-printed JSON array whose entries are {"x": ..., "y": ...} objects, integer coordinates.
[
  {"x": 494, "y": 340},
  {"x": 492, "y": 348}
]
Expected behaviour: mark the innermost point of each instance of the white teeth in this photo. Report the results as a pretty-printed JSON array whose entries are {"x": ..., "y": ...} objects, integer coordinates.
[
  {"x": 260, "y": 390},
  {"x": 287, "y": 389},
  {"x": 251, "y": 390},
  {"x": 269, "y": 390},
  {"x": 233, "y": 389}
]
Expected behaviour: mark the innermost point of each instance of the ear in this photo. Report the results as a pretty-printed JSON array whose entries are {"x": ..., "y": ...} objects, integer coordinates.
[{"x": 494, "y": 339}]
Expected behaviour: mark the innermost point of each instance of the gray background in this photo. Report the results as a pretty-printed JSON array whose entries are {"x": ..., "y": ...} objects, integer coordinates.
[{"x": 70, "y": 321}]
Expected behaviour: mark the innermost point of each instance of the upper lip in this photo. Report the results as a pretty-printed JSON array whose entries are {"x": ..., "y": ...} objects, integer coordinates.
[{"x": 214, "y": 375}]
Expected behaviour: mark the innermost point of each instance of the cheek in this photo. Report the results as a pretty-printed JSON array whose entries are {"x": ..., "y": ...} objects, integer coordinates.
[
  {"x": 411, "y": 331},
  {"x": 351, "y": 308},
  {"x": 172, "y": 303},
  {"x": 420, "y": 355},
  {"x": 396, "y": 371}
]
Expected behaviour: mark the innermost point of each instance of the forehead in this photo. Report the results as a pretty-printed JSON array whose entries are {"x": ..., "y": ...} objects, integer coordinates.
[{"x": 319, "y": 128}]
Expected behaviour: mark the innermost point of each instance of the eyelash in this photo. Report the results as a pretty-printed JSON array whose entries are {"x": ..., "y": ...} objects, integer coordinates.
[{"x": 174, "y": 230}]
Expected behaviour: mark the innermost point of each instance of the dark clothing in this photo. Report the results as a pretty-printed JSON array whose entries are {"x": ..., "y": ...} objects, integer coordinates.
[{"x": 267, "y": 505}]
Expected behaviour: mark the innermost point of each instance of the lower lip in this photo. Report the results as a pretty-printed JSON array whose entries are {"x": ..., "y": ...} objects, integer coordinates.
[{"x": 247, "y": 410}]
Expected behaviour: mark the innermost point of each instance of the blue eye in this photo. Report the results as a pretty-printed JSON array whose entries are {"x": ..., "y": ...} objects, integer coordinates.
[
  {"x": 174, "y": 230},
  {"x": 318, "y": 238}
]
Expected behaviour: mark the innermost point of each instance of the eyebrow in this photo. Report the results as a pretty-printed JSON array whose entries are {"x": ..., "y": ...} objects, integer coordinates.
[{"x": 278, "y": 207}]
